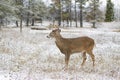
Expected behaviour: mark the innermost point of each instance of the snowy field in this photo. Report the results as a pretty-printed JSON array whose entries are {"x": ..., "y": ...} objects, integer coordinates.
[{"x": 32, "y": 56}]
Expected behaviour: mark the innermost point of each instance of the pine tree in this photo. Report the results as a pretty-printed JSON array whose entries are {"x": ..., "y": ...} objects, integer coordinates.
[
  {"x": 6, "y": 10},
  {"x": 82, "y": 3},
  {"x": 93, "y": 14},
  {"x": 109, "y": 16},
  {"x": 56, "y": 8}
]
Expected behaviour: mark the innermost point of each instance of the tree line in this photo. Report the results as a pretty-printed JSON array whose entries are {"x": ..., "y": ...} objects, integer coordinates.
[
  {"x": 63, "y": 11},
  {"x": 19, "y": 11},
  {"x": 79, "y": 10}
]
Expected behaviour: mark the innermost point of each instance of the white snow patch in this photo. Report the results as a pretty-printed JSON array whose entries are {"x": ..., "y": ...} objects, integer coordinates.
[{"x": 32, "y": 56}]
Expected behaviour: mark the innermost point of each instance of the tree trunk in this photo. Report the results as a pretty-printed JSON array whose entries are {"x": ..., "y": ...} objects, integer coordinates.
[
  {"x": 6, "y": 22},
  {"x": 21, "y": 24},
  {"x": 70, "y": 15},
  {"x": 27, "y": 20},
  {"x": 16, "y": 22},
  {"x": 76, "y": 14},
  {"x": 0, "y": 27},
  {"x": 33, "y": 21},
  {"x": 28, "y": 14},
  {"x": 60, "y": 14},
  {"x": 67, "y": 22},
  {"x": 94, "y": 15},
  {"x": 0, "y": 24},
  {"x": 81, "y": 18},
  {"x": 93, "y": 25}
]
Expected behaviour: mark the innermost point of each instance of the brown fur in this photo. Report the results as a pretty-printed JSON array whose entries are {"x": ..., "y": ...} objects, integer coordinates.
[{"x": 69, "y": 46}]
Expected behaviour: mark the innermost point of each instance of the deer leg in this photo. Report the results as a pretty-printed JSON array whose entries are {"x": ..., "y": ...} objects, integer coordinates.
[
  {"x": 92, "y": 56},
  {"x": 67, "y": 56},
  {"x": 84, "y": 58}
]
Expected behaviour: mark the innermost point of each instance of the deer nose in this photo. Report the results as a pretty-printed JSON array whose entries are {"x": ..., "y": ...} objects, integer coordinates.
[{"x": 48, "y": 36}]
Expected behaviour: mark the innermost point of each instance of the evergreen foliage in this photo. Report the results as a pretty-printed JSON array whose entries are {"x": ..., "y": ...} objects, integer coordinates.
[
  {"x": 92, "y": 12},
  {"x": 109, "y": 16}
]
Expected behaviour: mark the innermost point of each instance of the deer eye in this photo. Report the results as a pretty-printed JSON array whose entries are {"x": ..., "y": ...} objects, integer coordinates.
[{"x": 53, "y": 31}]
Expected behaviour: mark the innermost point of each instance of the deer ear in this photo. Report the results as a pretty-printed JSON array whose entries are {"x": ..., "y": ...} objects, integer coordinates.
[{"x": 59, "y": 30}]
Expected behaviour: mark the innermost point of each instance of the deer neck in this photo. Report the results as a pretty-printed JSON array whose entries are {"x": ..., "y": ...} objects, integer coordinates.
[{"x": 59, "y": 38}]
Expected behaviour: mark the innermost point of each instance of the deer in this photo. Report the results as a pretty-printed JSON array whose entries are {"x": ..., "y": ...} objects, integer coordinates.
[{"x": 68, "y": 46}]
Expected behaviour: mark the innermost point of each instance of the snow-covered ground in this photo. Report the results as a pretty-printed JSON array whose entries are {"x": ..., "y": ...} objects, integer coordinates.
[{"x": 32, "y": 56}]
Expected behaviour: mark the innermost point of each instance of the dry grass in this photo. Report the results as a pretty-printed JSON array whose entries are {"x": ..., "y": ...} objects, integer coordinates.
[{"x": 31, "y": 55}]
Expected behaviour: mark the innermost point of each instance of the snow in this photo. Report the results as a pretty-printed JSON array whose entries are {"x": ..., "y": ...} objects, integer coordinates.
[{"x": 32, "y": 56}]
